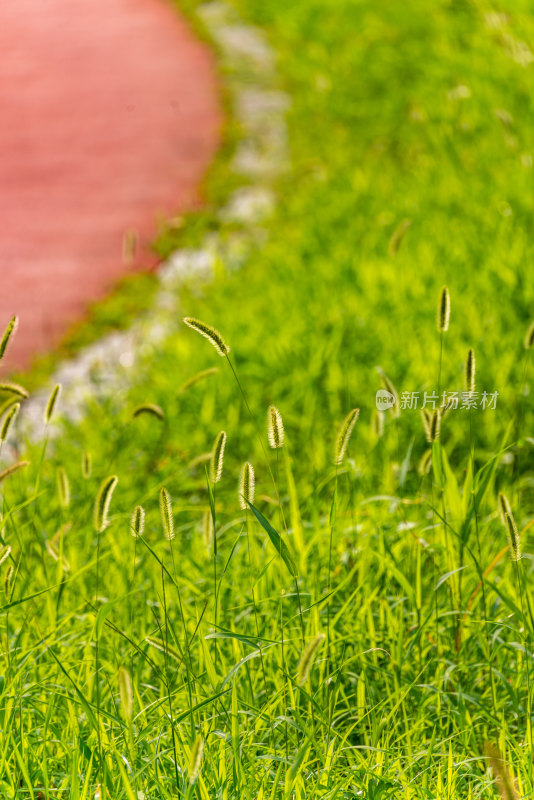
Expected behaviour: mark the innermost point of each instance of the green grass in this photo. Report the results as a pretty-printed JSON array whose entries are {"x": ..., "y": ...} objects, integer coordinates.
[{"x": 419, "y": 668}]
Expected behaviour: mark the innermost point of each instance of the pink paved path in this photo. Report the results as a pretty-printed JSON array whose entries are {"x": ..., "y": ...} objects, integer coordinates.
[{"x": 109, "y": 117}]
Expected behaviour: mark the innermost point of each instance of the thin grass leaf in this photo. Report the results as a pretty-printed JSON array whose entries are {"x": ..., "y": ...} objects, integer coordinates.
[{"x": 277, "y": 541}]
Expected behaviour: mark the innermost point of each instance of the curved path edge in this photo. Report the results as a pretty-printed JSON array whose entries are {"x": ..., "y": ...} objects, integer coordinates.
[{"x": 107, "y": 367}]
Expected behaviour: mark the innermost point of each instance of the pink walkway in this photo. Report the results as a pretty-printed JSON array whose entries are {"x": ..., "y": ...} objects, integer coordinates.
[{"x": 109, "y": 117}]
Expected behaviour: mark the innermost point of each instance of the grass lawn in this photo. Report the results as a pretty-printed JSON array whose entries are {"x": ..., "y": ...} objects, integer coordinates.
[{"x": 360, "y": 630}]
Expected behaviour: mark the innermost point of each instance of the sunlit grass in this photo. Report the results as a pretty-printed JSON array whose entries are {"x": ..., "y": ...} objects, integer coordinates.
[{"x": 213, "y": 679}]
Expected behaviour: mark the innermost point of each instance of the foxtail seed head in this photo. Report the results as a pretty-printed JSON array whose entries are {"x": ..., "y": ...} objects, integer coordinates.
[
  {"x": 247, "y": 484},
  {"x": 505, "y": 781},
  {"x": 217, "y": 457},
  {"x": 307, "y": 658},
  {"x": 344, "y": 435},
  {"x": 126, "y": 692},
  {"x": 52, "y": 402},
  {"x": 15, "y": 389},
  {"x": 444, "y": 310},
  {"x": 528, "y": 341},
  {"x": 8, "y": 333},
  {"x": 389, "y": 387},
  {"x": 425, "y": 464},
  {"x": 209, "y": 333},
  {"x": 275, "y": 428},
  {"x": 434, "y": 427},
  {"x": 167, "y": 518},
  {"x": 152, "y": 409},
  {"x": 63, "y": 487},
  {"x": 507, "y": 519},
  {"x": 87, "y": 464},
  {"x": 470, "y": 371},
  {"x": 8, "y": 421},
  {"x": 102, "y": 503},
  {"x": 426, "y": 416},
  {"x": 137, "y": 523},
  {"x": 5, "y": 552},
  {"x": 195, "y": 762},
  {"x": 377, "y": 423},
  {"x": 7, "y": 581},
  {"x": 13, "y": 468}
]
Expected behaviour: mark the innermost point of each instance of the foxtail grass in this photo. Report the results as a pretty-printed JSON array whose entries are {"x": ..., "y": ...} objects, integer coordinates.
[
  {"x": 100, "y": 522},
  {"x": 167, "y": 518},
  {"x": 7, "y": 422},
  {"x": 211, "y": 334},
  {"x": 7, "y": 335},
  {"x": 52, "y": 403},
  {"x": 308, "y": 657}
]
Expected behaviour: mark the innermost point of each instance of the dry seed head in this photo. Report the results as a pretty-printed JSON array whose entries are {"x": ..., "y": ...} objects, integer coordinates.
[
  {"x": 275, "y": 428},
  {"x": 126, "y": 692},
  {"x": 137, "y": 523},
  {"x": 195, "y": 762},
  {"x": 7, "y": 580},
  {"x": 434, "y": 427},
  {"x": 167, "y": 518},
  {"x": 15, "y": 389},
  {"x": 8, "y": 421},
  {"x": 102, "y": 503},
  {"x": 247, "y": 484},
  {"x": 425, "y": 464},
  {"x": 5, "y": 552},
  {"x": 308, "y": 657},
  {"x": 8, "y": 333},
  {"x": 148, "y": 408},
  {"x": 211, "y": 334},
  {"x": 470, "y": 371},
  {"x": 377, "y": 423},
  {"x": 507, "y": 519},
  {"x": 87, "y": 464},
  {"x": 13, "y": 468},
  {"x": 217, "y": 457},
  {"x": 63, "y": 487},
  {"x": 528, "y": 341},
  {"x": 444, "y": 310},
  {"x": 505, "y": 782},
  {"x": 52, "y": 402},
  {"x": 344, "y": 435}
]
